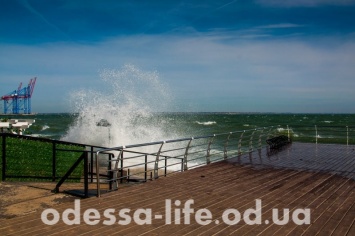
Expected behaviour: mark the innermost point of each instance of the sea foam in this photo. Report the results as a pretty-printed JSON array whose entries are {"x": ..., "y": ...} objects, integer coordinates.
[{"x": 206, "y": 122}]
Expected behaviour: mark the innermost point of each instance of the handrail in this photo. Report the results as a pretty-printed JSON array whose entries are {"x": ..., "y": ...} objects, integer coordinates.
[
  {"x": 179, "y": 155},
  {"x": 175, "y": 140},
  {"x": 183, "y": 152},
  {"x": 203, "y": 150},
  {"x": 51, "y": 161}
]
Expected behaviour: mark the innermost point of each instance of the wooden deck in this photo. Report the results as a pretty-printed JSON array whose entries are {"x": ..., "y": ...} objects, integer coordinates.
[
  {"x": 326, "y": 158},
  {"x": 317, "y": 177}
]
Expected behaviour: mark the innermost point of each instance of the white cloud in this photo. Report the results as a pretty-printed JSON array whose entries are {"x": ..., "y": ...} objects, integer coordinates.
[{"x": 201, "y": 70}]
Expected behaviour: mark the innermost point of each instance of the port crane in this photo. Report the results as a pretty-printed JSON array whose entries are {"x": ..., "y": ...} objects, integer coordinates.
[{"x": 19, "y": 100}]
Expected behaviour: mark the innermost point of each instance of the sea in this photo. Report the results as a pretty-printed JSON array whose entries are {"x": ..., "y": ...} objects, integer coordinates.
[{"x": 117, "y": 131}]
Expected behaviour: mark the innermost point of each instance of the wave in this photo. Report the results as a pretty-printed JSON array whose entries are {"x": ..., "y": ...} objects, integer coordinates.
[
  {"x": 206, "y": 122},
  {"x": 39, "y": 135},
  {"x": 328, "y": 121},
  {"x": 281, "y": 129},
  {"x": 122, "y": 110},
  {"x": 45, "y": 127}
]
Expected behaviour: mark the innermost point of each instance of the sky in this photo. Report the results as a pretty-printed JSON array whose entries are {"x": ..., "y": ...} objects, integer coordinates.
[{"x": 215, "y": 56}]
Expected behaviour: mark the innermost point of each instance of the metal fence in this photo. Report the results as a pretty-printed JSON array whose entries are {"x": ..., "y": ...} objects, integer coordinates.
[
  {"x": 322, "y": 134},
  {"x": 152, "y": 160},
  {"x": 26, "y": 158},
  {"x": 146, "y": 161},
  {"x": 141, "y": 162}
]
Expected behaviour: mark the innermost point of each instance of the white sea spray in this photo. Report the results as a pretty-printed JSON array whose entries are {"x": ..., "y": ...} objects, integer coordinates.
[
  {"x": 206, "y": 122},
  {"x": 125, "y": 103}
]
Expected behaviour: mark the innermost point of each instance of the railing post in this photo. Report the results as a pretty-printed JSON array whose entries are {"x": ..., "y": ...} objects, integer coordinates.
[
  {"x": 3, "y": 174},
  {"x": 240, "y": 143},
  {"x": 288, "y": 133},
  {"x": 156, "y": 164},
  {"x": 166, "y": 163},
  {"x": 54, "y": 161},
  {"x": 92, "y": 164},
  {"x": 117, "y": 167},
  {"x": 251, "y": 142},
  {"x": 110, "y": 175},
  {"x": 186, "y": 154},
  {"x": 316, "y": 134},
  {"x": 208, "y": 156},
  {"x": 347, "y": 135},
  {"x": 145, "y": 167},
  {"x": 98, "y": 194},
  {"x": 121, "y": 156},
  {"x": 86, "y": 177},
  {"x": 226, "y": 146},
  {"x": 259, "y": 141}
]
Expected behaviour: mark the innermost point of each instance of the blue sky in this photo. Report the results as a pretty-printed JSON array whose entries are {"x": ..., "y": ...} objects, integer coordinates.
[{"x": 233, "y": 56}]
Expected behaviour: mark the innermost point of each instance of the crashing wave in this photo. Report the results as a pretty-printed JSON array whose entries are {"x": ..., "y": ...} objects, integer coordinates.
[{"x": 206, "y": 122}]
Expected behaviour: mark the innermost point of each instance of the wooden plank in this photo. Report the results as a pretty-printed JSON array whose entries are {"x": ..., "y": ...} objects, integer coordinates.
[
  {"x": 336, "y": 193},
  {"x": 225, "y": 185},
  {"x": 296, "y": 199}
]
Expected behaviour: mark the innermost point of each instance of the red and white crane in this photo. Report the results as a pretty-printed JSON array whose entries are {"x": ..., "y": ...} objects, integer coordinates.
[{"x": 19, "y": 100}]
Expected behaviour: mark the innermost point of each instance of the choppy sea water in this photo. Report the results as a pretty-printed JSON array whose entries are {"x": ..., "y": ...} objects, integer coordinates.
[{"x": 173, "y": 125}]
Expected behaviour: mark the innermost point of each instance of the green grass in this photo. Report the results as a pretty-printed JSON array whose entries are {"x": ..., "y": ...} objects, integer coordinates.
[{"x": 34, "y": 159}]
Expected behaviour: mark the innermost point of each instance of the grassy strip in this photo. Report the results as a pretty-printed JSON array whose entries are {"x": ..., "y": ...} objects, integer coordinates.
[{"x": 32, "y": 160}]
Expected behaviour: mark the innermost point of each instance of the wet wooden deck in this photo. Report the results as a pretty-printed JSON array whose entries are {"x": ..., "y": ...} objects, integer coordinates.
[
  {"x": 326, "y": 158},
  {"x": 317, "y": 177}
]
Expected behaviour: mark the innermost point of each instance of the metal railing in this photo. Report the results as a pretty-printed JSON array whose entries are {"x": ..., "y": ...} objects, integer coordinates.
[
  {"x": 322, "y": 134},
  {"x": 147, "y": 161},
  {"x": 168, "y": 157},
  {"x": 178, "y": 155},
  {"x": 26, "y": 158}
]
